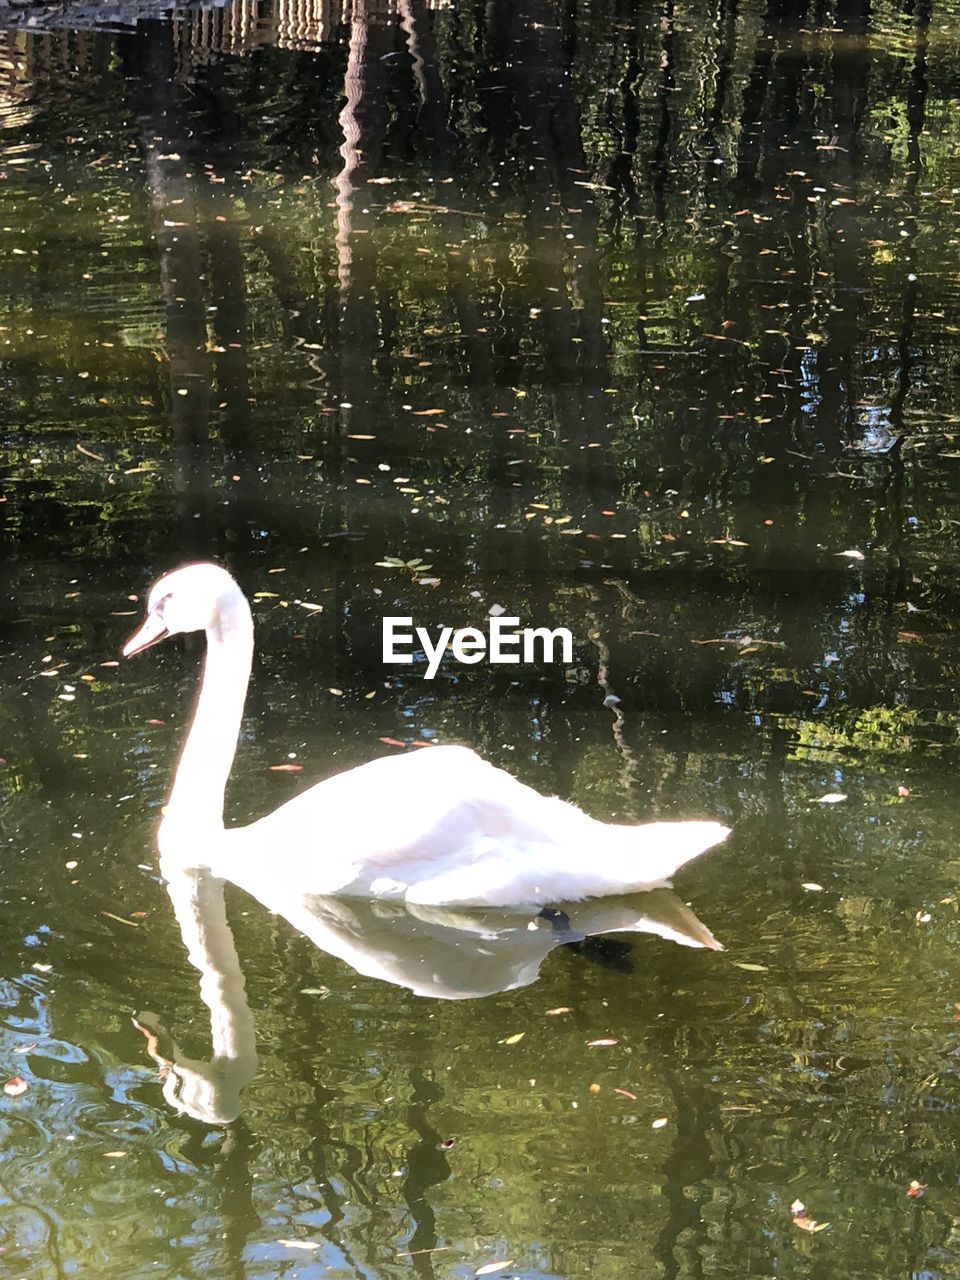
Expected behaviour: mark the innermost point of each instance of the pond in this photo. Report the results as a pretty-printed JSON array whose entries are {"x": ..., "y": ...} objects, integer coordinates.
[{"x": 635, "y": 318}]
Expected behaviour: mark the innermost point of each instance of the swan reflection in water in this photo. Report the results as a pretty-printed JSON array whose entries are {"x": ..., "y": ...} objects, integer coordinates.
[{"x": 441, "y": 952}]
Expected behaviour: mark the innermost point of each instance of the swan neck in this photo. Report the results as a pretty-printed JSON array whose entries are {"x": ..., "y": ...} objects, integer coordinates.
[{"x": 197, "y": 796}]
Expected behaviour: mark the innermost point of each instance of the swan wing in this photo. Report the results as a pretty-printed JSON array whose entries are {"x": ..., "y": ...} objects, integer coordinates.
[{"x": 441, "y": 826}]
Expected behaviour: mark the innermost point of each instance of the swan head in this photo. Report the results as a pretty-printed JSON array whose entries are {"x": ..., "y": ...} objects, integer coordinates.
[{"x": 197, "y": 597}]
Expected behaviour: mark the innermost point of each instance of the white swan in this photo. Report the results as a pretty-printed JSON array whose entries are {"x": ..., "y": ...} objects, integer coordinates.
[{"x": 438, "y": 826}]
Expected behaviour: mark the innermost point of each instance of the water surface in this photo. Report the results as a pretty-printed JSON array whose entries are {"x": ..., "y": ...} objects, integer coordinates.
[{"x": 635, "y": 318}]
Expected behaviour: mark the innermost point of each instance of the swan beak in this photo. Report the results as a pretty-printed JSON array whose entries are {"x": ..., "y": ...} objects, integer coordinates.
[{"x": 152, "y": 632}]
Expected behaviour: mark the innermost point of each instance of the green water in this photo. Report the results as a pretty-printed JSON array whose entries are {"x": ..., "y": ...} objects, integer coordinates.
[{"x": 632, "y": 318}]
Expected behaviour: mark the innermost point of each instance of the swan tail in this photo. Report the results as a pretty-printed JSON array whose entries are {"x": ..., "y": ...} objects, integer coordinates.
[{"x": 657, "y": 850}]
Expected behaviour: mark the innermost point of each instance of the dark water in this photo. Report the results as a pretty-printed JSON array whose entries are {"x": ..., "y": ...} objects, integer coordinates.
[{"x": 627, "y": 317}]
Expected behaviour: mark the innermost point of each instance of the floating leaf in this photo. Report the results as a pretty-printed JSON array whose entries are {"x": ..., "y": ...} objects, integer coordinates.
[
  {"x": 852, "y": 554},
  {"x": 800, "y": 1219},
  {"x": 489, "y": 1268},
  {"x": 286, "y": 768},
  {"x": 751, "y": 968},
  {"x": 561, "y": 1008},
  {"x": 15, "y": 1087},
  {"x": 811, "y": 886},
  {"x": 120, "y": 919},
  {"x": 300, "y": 1244},
  {"x": 517, "y": 1036},
  {"x": 625, "y": 1093},
  {"x": 832, "y": 797},
  {"x": 660, "y": 1123},
  {"x": 601, "y": 1044}
]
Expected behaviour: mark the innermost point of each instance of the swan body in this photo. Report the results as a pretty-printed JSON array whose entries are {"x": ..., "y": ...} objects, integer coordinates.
[{"x": 435, "y": 827}]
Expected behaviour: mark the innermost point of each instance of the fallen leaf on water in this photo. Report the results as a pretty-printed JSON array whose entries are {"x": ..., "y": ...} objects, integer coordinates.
[
  {"x": 601, "y": 1044},
  {"x": 26, "y": 1048},
  {"x": 660, "y": 1123},
  {"x": 15, "y": 1087},
  {"x": 120, "y": 919},
  {"x": 513, "y": 1039},
  {"x": 428, "y": 413},
  {"x": 808, "y": 1224},
  {"x": 916, "y": 1189},
  {"x": 625, "y": 1093},
  {"x": 286, "y": 768},
  {"x": 299, "y": 1244},
  {"x": 561, "y": 1008},
  {"x": 392, "y": 742},
  {"x": 337, "y": 693},
  {"x": 812, "y": 887},
  {"x": 832, "y": 797},
  {"x": 751, "y": 968},
  {"x": 800, "y": 1219},
  {"x": 852, "y": 554},
  {"x": 312, "y": 608},
  {"x": 489, "y": 1268}
]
